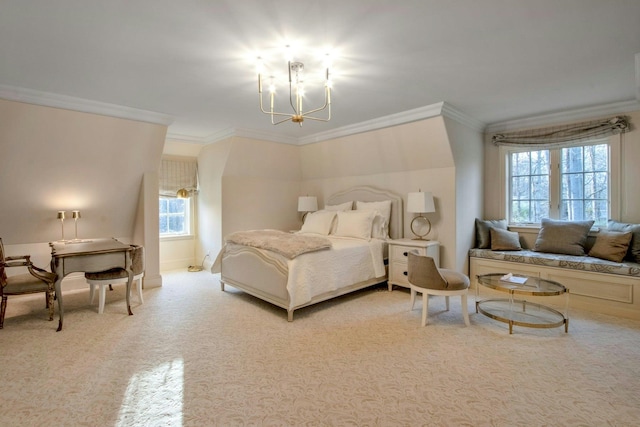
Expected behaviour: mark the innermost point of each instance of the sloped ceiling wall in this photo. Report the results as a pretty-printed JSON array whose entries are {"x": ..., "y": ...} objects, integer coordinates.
[{"x": 54, "y": 159}]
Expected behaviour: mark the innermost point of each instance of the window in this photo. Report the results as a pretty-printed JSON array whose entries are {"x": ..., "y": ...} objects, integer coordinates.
[
  {"x": 571, "y": 183},
  {"x": 174, "y": 217}
]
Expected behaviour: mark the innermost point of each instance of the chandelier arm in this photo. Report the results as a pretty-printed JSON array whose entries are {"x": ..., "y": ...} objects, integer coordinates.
[{"x": 281, "y": 121}]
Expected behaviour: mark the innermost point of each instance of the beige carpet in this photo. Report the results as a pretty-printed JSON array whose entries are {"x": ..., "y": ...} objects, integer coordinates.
[{"x": 195, "y": 356}]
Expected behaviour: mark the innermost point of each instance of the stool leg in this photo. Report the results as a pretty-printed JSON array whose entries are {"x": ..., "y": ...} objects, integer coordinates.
[
  {"x": 465, "y": 310},
  {"x": 446, "y": 299},
  {"x": 103, "y": 294},
  {"x": 92, "y": 289},
  {"x": 140, "y": 291}
]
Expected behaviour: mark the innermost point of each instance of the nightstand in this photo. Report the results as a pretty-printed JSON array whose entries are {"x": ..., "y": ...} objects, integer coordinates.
[{"x": 398, "y": 252}]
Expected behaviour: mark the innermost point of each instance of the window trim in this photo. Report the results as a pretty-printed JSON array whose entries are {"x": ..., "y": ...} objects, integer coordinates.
[
  {"x": 190, "y": 223},
  {"x": 615, "y": 173}
]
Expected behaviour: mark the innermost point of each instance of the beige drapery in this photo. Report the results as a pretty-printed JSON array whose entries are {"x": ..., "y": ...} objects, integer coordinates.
[
  {"x": 176, "y": 174},
  {"x": 559, "y": 136}
]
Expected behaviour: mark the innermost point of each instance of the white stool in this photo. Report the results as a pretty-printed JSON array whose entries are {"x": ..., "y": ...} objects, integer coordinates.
[{"x": 117, "y": 275}]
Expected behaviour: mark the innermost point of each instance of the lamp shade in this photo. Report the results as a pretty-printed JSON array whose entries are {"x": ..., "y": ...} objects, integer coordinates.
[
  {"x": 307, "y": 204},
  {"x": 420, "y": 202}
]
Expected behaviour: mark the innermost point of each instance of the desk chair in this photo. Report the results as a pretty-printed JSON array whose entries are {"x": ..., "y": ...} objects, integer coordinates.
[
  {"x": 427, "y": 279},
  {"x": 36, "y": 280},
  {"x": 115, "y": 276}
]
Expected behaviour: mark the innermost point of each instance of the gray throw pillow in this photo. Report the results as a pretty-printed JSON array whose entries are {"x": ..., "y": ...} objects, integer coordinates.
[
  {"x": 562, "y": 237},
  {"x": 611, "y": 245},
  {"x": 505, "y": 240},
  {"x": 634, "y": 247},
  {"x": 483, "y": 236}
]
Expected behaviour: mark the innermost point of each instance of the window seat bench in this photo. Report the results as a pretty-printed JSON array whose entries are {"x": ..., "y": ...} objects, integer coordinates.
[{"x": 595, "y": 284}]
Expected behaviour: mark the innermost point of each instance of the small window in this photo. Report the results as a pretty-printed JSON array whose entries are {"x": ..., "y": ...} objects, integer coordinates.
[
  {"x": 174, "y": 217},
  {"x": 569, "y": 183}
]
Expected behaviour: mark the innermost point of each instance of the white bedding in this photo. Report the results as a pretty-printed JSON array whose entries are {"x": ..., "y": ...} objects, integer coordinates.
[{"x": 349, "y": 261}]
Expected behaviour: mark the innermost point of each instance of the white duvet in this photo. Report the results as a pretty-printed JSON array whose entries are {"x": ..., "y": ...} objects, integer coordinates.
[{"x": 349, "y": 261}]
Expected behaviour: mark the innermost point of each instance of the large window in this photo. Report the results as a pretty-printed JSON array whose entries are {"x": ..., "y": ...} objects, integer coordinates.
[
  {"x": 174, "y": 217},
  {"x": 571, "y": 183}
]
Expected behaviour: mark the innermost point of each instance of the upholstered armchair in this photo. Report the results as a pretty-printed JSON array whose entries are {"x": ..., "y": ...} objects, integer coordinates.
[{"x": 36, "y": 280}]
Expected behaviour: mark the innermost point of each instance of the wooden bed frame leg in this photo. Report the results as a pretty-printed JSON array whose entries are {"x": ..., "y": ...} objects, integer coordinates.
[{"x": 290, "y": 315}]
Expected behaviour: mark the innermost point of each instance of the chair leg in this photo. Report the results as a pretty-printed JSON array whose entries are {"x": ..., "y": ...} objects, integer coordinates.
[
  {"x": 3, "y": 309},
  {"x": 425, "y": 308},
  {"x": 50, "y": 295},
  {"x": 413, "y": 298},
  {"x": 465, "y": 309},
  {"x": 101, "y": 298},
  {"x": 446, "y": 300}
]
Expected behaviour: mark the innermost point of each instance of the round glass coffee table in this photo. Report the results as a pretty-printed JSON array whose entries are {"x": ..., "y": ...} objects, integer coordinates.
[{"x": 520, "y": 312}]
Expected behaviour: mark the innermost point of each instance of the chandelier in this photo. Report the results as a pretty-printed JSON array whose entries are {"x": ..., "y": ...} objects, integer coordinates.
[{"x": 296, "y": 95}]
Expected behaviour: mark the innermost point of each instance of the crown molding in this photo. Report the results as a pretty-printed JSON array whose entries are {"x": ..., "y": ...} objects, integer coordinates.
[
  {"x": 46, "y": 99},
  {"x": 421, "y": 113},
  {"x": 453, "y": 113},
  {"x": 565, "y": 116},
  {"x": 266, "y": 136}
]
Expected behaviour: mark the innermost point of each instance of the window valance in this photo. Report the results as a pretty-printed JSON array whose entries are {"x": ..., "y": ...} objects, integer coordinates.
[
  {"x": 177, "y": 174},
  {"x": 564, "y": 135}
]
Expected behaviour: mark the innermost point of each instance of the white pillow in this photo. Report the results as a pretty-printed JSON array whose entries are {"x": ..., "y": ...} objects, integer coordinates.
[
  {"x": 346, "y": 206},
  {"x": 318, "y": 222},
  {"x": 356, "y": 224},
  {"x": 383, "y": 207},
  {"x": 379, "y": 227}
]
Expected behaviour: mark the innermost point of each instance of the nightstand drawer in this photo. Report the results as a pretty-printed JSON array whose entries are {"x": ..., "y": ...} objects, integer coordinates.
[{"x": 399, "y": 255}]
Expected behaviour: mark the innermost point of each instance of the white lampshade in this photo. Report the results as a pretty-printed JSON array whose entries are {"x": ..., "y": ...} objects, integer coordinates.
[
  {"x": 420, "y": 202},
  {"x": 307, "y": 204}
]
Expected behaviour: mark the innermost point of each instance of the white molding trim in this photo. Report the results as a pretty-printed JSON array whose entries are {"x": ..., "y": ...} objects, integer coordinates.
[
  {"x": 416, "y": 114},
  {"x": 46, "y": 99},
  {"x": 451, "y": 112},
  {"x": 565, "y": 116},
  {"x": 266, "y": 136}
]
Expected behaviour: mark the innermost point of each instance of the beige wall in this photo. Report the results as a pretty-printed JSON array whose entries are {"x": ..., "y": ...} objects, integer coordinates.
[
  {"x": 630, "y": 176},
  {"x": 250, "y": 184},
  {"x": 54, "y": 159},
  {"x": 246, "y": 184}
]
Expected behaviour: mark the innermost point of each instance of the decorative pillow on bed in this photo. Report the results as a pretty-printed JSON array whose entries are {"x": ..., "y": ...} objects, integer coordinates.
[
  {"x": 379, "y": 227},
  {"x": 346, "y": 206},
  {"x": 383, "y": 207},
  {"x": 483, "y": 227},
  {"x": 318, "y": 222},
  {"x": 562, "y": 237},
  {"x": 356, "y": 224},
  {"x": 611, "y": 245},
  {"x": 634, "y": 245},
  {"x": 504, "y": 240}
]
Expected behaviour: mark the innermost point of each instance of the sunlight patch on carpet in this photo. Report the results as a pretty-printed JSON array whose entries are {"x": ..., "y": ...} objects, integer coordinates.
[{"x": 155, "y": 395}]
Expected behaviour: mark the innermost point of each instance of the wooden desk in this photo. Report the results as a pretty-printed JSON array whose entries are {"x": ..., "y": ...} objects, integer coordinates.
[{"x": 88, "y": 256}]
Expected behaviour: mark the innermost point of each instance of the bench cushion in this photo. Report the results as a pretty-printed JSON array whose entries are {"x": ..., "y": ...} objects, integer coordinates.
[{"x": 574, "y": 262}]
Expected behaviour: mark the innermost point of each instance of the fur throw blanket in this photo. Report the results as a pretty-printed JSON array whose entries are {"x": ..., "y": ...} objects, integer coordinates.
[{"x": 289, "y": 245}]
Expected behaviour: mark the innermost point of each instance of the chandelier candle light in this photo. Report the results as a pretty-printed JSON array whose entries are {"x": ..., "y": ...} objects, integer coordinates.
[{"x": 296, "y": 94}]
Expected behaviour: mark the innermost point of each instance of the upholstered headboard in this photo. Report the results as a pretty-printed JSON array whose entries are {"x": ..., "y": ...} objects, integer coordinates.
[{"x": 372, "y": 194}]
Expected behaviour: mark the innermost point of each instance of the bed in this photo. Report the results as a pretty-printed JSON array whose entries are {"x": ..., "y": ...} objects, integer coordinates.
[{"x": 349, "y": 265}]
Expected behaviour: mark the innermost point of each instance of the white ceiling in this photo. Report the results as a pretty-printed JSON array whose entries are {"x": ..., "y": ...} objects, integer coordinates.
[{"x": 492, "y": 60}]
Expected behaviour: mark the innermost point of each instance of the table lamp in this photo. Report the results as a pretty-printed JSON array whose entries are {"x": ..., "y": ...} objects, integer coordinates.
[
  {"x": 61, "y": 218},
  {"x": 307, "y": 204},
  {"x": 420, "y": 203}
]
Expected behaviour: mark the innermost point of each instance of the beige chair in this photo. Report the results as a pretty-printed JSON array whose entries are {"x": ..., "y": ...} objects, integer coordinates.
[
  {"x": 36, "y": 280},
  {"x": 115, "y": 276},
  {"x": 426, "y": 278}
]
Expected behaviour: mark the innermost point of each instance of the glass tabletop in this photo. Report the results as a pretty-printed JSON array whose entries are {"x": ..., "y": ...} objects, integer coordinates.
[{"x": 529, "y": 286}]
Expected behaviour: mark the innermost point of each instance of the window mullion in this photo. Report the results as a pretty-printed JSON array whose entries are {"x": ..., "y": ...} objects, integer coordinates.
[{"x": 554, "y": 183}]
